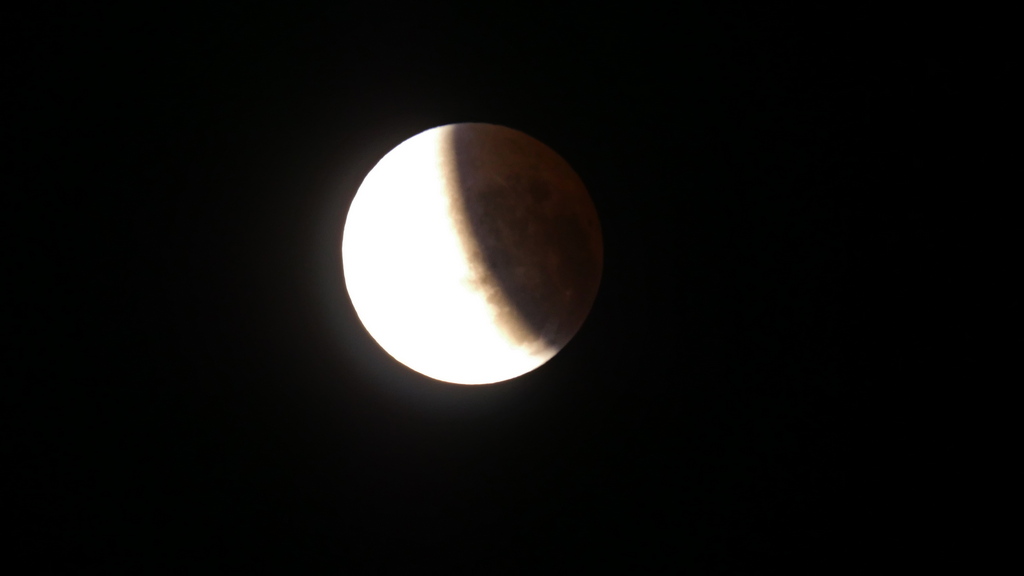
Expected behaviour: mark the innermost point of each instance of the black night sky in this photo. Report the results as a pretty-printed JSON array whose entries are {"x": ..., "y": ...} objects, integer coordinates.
[{"x": 194, "y": 393}]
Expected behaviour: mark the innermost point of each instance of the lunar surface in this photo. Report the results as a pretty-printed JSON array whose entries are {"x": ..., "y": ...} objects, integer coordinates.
[{"x": 472, "y": 253}]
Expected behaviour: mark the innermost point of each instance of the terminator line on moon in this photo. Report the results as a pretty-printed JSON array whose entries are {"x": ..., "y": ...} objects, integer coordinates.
[{"x": 472, "y": 253}]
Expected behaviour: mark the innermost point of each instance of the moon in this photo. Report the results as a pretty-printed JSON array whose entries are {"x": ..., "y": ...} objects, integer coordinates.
[{"x": 472, "y": 253}]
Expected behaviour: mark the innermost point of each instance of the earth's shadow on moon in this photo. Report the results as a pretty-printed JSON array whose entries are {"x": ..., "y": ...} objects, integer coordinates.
[{"x": 527, "y": 219}]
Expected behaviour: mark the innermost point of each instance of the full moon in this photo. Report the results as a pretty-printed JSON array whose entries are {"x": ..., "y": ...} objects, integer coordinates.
[{"x": 472, "y": 253}]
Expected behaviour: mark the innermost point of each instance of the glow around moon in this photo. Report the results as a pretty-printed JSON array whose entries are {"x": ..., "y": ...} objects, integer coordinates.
[{"x": 472, "y": 253}]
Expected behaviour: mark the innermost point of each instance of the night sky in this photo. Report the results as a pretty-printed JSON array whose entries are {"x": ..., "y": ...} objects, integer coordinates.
[{"x": 750, "y": 394}]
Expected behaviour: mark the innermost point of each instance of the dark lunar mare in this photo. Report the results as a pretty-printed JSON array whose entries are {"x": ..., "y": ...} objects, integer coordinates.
[{"x": 528, "y": 219}]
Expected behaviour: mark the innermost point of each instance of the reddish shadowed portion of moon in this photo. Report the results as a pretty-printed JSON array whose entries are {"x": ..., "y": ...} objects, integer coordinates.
[
  {"x": 527, "y": 218},
  {"x": 472, "y": 253}
]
